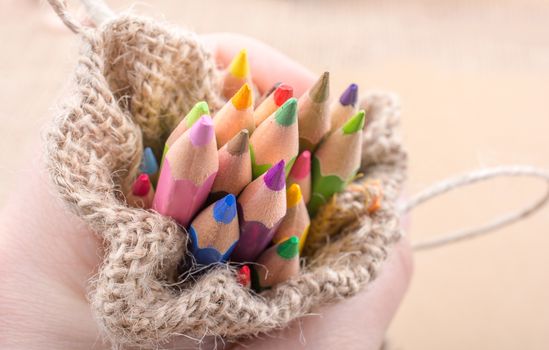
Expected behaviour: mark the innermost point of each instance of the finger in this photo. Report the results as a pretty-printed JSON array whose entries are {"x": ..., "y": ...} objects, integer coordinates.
[
  {"x": 358, "y": 322},
  {"x": 268, "y": 66}
]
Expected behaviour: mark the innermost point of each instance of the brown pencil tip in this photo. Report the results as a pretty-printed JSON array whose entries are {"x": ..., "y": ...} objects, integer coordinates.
[
  {"x": 321, "y": 90},
  {"x": 239, "y": 143}
]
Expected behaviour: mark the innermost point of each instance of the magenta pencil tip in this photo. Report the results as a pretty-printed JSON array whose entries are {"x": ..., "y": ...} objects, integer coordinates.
[
  {"x": 275, "y": 178},
  {"x": 202, "y": 131},
  {"x": 302, "y": 165},
  {"x": 349, "y": 96}
]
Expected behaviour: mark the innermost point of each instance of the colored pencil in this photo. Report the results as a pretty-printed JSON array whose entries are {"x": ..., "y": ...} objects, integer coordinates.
[
  {"x": 267, "y": 94},
  {"x": 297, "y": 221},
  {"x": 243, "y": 276},
  {"x": 314, "y": 121},
  {"x": 345, "y": 107},
  {"x": 237, "y": 74},
  {"x": 188, "y": 173},
  {"x": 149, "y": 165},
  {"x": 214, "y": 232},
  {"x": 235, "y": 115},
  {"x": 271, "y": 103},
  {"x": 277, "y": 264},
  {"x": 336, "y": 161},
  {"x": 275, "y": 139},
  {"x": 235, "y": 167},
  {"x": 261, "y": 208},
  {"x": 142, "y": 192},
  {"x": 301, "y": 175},
  {"x": 198, "y": 110}
]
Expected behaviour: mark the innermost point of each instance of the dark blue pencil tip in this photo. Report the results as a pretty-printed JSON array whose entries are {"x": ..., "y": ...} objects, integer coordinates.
[
  {"x": 224, "y": 210},
  {"x": 349, "y": 96}
]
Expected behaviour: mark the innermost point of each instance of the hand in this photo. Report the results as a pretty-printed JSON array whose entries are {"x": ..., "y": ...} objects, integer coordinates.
[{"x": 47, "y": 256}]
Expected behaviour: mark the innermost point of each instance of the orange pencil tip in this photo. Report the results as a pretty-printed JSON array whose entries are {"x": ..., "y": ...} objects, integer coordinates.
[{"x": 243, "y": 98}]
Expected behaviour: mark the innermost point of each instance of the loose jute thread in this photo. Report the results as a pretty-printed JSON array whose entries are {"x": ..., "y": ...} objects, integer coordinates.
[{"x": 135, "y": 77}]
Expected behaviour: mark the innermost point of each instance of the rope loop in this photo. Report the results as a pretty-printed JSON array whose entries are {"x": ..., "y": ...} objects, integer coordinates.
[
  {"x": 97, "y": 10},
  {"x": 471, "y": 178}
]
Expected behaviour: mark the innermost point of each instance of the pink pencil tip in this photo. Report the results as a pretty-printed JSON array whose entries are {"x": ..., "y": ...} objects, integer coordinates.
[
  {"x": 141, "y": 186},
  {"x": 275, "y": 178},
  {"x": 302, "y": 166},
  {"x": 202, "y": 131}
]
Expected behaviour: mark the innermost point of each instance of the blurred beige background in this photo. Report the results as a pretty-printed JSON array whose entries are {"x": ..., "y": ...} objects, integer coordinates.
[{"x": 473, "y": 77}]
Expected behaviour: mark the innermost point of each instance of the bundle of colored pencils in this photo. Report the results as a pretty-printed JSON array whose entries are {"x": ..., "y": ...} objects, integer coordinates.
[{"x": 245, "y": 182}]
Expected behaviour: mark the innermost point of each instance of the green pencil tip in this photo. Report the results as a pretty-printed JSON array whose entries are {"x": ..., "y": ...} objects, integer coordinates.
[
  {"x": 198, "y": 110},
  {"x": 289, "y": 248},
  {"x": 287, "y": 113},
  {"x": 354, "y": 124}
]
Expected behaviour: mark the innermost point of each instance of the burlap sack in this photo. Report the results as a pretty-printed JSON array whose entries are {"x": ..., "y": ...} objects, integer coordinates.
[{"x": 134, "y": 80}]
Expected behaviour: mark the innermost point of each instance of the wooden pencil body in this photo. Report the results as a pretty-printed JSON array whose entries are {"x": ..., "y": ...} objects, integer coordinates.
[
  {"x": 188, "y": 173},
  {"x": 215, "y": 231},
  {"x": 273, "y": 267},
  {"x": 261, "y": 209},
  {"x": 339, "y": 114},
  {"x": 229, "y": 121}
]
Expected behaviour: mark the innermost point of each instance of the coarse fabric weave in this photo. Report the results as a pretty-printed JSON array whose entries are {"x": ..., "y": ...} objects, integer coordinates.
[{"x": 134, "y": 80}]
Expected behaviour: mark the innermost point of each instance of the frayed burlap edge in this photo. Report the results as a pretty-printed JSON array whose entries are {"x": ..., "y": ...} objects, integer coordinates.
[{"x": 135, "y": 78}]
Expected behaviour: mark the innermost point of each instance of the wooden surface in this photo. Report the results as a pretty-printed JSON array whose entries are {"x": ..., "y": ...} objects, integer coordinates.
[{"x": 473, "y": 78}]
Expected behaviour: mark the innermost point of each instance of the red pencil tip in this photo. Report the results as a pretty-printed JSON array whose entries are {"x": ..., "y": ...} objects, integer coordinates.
[
  {"x": 282, "y": 93},
  {"x": 141, "y": 185},
  {"x": 243, "y": 276}
]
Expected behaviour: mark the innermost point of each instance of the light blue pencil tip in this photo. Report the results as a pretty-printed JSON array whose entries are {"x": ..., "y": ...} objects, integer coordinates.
[{"x": 149, "y": 165}]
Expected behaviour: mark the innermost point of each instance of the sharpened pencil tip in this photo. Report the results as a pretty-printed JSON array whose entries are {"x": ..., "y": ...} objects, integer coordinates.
[
  {"x": 240, "y": 66},
  {"x": 275, "y": 177},
  {"x": 202, "y": 131},
  {"x": 293, "y": 195},
  {"x": 239, "y": 143},
  {"x": 354, "y": 124},
  {"x": 286, "y": 115},
  {"x": 243, "y": 98},
  {"x": 302, "y": 165},
  {"x": 149, "y": 165},
  {"x": 282, "y": 93},
  {"x": 349, "y": 96},
  {"x": 225, "y": 209},
  {"x": 289, "y": 248},
  {"x": 142, "y": 185},
  {"x": 198, "y": 110},
  {"x": 321, "y": 90}
]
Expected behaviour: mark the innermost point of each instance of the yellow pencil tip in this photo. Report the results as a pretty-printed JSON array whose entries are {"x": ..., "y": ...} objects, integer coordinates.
[
  {"x": 239, "y": 66},
  {"x": 243, "y": 98},
  {"x": 293, "y": 195}
]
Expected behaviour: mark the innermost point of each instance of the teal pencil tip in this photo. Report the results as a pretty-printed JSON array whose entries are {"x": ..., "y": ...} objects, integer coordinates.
[
  {"x": 355, "y": 124},
  {"x": 289, "y": 248},
  {"x": 287, "y": 113}
]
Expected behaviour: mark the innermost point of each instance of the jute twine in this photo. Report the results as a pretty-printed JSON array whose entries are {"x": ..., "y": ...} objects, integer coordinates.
[{"x": 134, "y": 80}]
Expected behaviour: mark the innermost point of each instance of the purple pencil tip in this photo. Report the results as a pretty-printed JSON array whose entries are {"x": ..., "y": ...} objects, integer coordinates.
[
  {"x": 202, "y": 131},
  {"x": 349, "y": 96},
  {"x": 275, "y": 178}
]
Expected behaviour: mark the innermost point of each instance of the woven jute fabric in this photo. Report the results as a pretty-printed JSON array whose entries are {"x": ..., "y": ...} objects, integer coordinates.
[{"x": 134, "y": 80}]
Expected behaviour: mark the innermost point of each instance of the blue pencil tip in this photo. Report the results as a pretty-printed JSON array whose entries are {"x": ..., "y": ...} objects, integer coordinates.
[
  {"x": 224, "y": 210},
  {"x": 149, "y": 165},
  {"x": 349, "y": 96}
]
